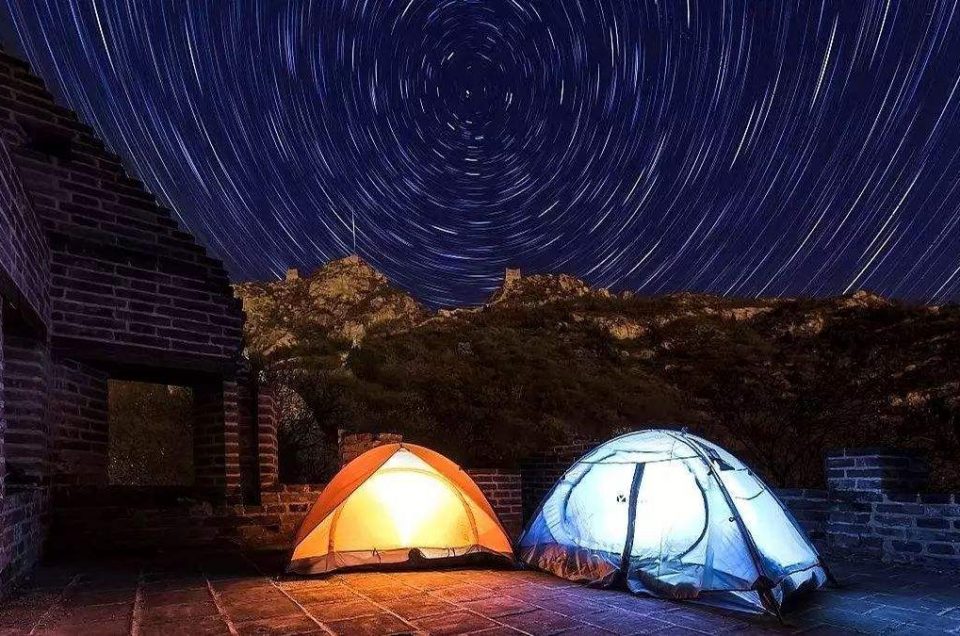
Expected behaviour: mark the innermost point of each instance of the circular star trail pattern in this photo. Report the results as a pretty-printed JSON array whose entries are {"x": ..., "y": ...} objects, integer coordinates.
[{"x": 741, "y": 148}]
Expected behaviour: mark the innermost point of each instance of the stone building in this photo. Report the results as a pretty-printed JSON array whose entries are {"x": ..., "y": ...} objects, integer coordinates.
[{"x": 98, "y": 283}]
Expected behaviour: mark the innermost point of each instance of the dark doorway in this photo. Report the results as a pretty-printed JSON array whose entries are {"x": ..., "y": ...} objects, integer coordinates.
[{"x": 151, "y": 434}]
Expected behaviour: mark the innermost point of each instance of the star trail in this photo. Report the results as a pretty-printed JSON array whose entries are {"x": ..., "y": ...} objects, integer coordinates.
[{"x": 740, "y": 148}]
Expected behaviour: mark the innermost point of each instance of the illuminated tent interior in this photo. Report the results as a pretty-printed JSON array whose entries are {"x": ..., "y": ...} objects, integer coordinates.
[
  {"x": 397, "y": 504},
  {"x": 672, "y": 515}
]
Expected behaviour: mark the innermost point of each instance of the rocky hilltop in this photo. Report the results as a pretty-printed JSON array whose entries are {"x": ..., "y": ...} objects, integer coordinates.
[
  {"x": 341, "y": 300},
  {"x": 549, "y": 358}
]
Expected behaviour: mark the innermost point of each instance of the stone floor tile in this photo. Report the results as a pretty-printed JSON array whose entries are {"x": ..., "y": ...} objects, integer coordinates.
[
  {"x": 875, "y": 598},
  {"x": 323, "y": 594},
  {"x": 50, "y": 577},
  {"x": 701, "y": 620},
  {"x": 501, "y": 630},
  {"x": 493, "y": 579},
  {"x": 175, "y": 597},
  {"x": 79, "y": 597},
  {"x": 22, "y": 612},
  {"x": 459, "y": 622},
  {"x": 203, "y": 626},
  {"x": 341, "y": 610},
  {"x": 425, "y": 580},
  {"x": 621, "y": 621},
  {"x": 571, "y": 603},
  {"x": 418, "y": 606},
  {"x": 540, "y": 622},
  {"x": 299, "y": 582},
  {"x": 242, "y": 585},
  {"x": 180, "y": 612},
  {"x": 827, "y": 630},
  {"x": 462, "y": 592},
  {"x": 496, "y": 606},
  {"x": 391, "y": 591},
  {"x": 849, "y": 619},
  {"x": 256, "y": 608},
  {"x": 85, "y": 628},
  {"x": 376, "y": 625},
  {"x": 279, "y": 626},
  {"x": 80, "y": 614},
  {"x": 173, "y": 584}
]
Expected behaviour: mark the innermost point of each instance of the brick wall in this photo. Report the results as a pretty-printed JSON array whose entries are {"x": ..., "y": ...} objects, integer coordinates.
[
  {"x": 79, "y": 422},
  {"x": 216, "y": 438},
  {"x": 23, "y": 525},
  {"x": 24, "y": 255},
  {"x": 876, "y": 509},
  {"x": 540, "y": 472},
  {"x": 866, "y": 512},
  {"x": 267, "y": 439},
  {"x": 876, "y": 470},
  {"x": 140, "y": 518},
  {"x": 811, "y": 509},
  {"x": 502, "y": 490},
  {"x": 25, "y": 381},
  {"x": 99, "y": 282},
  {"x": 124, "y": 277},
  {"x": 352, "y": 445}
]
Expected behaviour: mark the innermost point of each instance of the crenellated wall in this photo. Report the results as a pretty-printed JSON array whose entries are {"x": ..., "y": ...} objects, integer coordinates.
[
  {"x": 98, "y": 282},
  {"x": 125, "y": 281}
]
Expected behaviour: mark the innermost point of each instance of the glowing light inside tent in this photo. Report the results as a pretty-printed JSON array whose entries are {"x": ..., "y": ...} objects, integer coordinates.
[
  {"x": 699, "y": 526},
  {"x": 595, "y": 512},
  {"x": 415, "y": 508},
  {"x": 391, "y": 501},
  {"x": 671, "y": 512}
]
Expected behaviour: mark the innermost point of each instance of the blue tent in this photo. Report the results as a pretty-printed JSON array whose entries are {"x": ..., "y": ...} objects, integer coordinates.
[{"x": 672, "y": 515}]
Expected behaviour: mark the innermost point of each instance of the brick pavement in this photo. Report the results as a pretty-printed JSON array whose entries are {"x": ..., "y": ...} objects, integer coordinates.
[{"x": 223, "y": 593}]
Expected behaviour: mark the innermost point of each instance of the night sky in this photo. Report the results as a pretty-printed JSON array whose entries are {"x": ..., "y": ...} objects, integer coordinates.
[{"x": 743, "y": 148}]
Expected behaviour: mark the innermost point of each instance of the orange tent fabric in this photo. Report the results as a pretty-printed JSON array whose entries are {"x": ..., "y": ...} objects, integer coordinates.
[{"x": 396, "y": 503}]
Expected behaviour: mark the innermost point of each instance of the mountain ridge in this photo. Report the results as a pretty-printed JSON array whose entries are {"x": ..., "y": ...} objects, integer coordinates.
[{"x": 548, "y": 358}]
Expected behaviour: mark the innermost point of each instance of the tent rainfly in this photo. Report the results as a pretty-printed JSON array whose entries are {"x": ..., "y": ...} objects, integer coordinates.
[
  {"x": 397, "y": 504},
  {"x": 673, "y": 516}
]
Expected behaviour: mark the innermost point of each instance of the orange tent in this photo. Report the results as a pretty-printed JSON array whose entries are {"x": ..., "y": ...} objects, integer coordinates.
[{"x": 395, "y": 504}]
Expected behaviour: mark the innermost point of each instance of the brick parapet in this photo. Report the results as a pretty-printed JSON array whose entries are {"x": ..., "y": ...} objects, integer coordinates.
[
  {"x": 352, "y": 445},
  {"x": 502, "y": 489},
  {"x": 541, "y": 471},
  {"x": 876, "y": 470},
  {"x": 147, "y": 518}
]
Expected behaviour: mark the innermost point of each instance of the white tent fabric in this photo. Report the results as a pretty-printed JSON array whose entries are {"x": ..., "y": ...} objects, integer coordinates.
[{"x": 672, "y": 515}]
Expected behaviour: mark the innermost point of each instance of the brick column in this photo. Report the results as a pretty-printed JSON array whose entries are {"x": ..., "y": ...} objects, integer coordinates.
[
  {"x": 216, "y": 445},
  {"x": 352, "y": 445},
  {"x": 267, "y": 439},
  {"x": 864, "y": 488}
]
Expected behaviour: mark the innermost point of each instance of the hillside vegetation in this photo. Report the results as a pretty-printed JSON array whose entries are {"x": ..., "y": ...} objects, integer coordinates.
[{"x": 549, "y": 359}]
